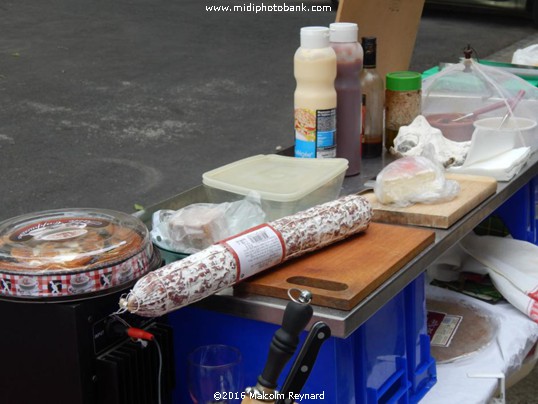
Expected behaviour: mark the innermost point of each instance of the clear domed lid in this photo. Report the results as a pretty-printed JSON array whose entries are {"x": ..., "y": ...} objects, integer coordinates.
[
  {"x": 69, "y": 240},
  {"x": 463, "y": 94}
]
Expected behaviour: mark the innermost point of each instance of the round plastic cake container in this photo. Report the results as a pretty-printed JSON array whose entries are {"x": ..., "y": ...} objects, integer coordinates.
[{"x": 72, "y": 254}]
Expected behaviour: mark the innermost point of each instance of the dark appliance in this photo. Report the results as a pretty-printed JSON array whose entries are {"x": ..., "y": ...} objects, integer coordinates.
[{"x": 76, "y": 353}]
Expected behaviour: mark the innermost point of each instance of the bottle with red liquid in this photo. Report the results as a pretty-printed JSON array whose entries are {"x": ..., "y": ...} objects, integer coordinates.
[{"x": 349, "y": 59}]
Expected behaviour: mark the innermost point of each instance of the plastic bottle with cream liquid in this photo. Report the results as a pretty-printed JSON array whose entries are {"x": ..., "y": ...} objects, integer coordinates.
[
  {"x": 349, "y": 59},
  {"x": 315, "y": 95}
]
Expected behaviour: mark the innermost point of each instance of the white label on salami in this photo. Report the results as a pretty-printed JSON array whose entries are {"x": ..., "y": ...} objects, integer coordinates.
[{"x": 256, "y": 250}]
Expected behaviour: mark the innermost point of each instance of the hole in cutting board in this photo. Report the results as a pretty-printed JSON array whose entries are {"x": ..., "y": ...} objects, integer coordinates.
[{"x": 317, "y": 283}]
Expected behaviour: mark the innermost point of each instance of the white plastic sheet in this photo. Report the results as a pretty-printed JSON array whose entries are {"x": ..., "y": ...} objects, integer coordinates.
[
  {"x": 513, "y": 268},
  {"x": 526, "y": 56}
]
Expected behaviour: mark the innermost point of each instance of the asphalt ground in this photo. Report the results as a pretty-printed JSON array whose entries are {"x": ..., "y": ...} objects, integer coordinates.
[{"x": 111, "y": 104}]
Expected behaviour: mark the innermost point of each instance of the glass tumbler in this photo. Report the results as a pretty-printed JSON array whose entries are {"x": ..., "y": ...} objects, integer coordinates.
[{"x": 215, "y": 374}]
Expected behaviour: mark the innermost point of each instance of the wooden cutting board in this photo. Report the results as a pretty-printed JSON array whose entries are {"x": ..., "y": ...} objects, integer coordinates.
[
  {"x": 474, "y": 190},
  {"x": 341, "y": 275}
]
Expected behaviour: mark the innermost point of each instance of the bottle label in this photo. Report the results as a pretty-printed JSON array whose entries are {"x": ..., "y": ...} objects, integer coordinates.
[{"x": 315, "y": 133}]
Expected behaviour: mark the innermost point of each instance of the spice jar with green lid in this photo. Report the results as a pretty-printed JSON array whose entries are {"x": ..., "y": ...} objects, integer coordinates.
[{"x": 402, "y": 102}]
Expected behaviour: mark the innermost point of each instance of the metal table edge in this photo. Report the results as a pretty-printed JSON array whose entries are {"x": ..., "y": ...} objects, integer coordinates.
[{"x": 344, "y": 323}]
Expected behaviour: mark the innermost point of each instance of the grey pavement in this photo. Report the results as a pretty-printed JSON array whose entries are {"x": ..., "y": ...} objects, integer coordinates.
[{"x": 107, "y": 104}]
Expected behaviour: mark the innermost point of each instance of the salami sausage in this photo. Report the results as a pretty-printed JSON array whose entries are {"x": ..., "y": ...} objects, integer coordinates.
[{"x": 222, "y": 265}]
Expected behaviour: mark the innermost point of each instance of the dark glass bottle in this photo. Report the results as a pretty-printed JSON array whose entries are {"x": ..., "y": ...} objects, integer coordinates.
[{"x": 373, "y": 90}]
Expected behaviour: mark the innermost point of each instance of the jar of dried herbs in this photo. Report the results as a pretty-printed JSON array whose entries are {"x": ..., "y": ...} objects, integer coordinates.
[{"x": 402, "y": 102}]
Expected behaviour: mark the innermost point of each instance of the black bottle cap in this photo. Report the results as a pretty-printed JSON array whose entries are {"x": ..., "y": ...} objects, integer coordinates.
[{"x": 369, "y": 45}]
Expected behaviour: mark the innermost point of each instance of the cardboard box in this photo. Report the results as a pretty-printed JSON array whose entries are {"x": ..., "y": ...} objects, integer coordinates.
[{"x": 395, "y": 24}]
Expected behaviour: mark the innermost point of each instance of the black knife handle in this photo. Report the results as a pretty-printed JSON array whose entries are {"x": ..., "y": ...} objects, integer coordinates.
[
  {"x": 304, "y": 362},
  {"x": 284, "y": 342}
]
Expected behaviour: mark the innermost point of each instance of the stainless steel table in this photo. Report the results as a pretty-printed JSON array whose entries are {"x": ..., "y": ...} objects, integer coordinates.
[{"x": 343, "y": 323}]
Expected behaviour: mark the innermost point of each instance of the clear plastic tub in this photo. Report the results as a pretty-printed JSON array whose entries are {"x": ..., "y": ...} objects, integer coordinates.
[{"x": 286, "y": 185}]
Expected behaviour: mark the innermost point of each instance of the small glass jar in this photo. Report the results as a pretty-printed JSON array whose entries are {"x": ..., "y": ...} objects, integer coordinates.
[{"x": 402, "y": 102}]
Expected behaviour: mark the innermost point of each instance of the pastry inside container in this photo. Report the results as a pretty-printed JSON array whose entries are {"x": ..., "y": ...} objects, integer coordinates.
[{"x": 59, "y": 254}]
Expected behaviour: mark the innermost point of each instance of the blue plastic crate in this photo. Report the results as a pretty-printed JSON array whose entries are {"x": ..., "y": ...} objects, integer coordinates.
[
  {"x": 519, "y": 212},
  {"x": 386, "y": 360},
  {"x": 421, "y": 365},
  {"x": 381, "y": 355}
]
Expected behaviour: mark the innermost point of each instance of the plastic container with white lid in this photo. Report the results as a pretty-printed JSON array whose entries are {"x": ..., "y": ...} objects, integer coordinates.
[
  {"x": 66, "y": 254},
  {"x": 286, "y": 185}
]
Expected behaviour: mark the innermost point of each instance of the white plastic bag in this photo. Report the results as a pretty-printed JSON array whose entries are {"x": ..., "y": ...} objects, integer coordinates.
[
  {"x": 414, "y": 179},
  {"x": 197, "y": 226},
  {"x": 526, "y": 56}
]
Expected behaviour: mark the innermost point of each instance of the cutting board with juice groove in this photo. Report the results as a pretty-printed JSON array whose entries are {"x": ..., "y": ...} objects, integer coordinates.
[
  {"x": 343, "y": 274},
  {"x": 474, "y": 190}
]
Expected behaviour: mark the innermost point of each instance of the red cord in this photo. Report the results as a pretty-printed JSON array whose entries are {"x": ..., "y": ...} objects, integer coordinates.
[{"x": 137, "y": 333}]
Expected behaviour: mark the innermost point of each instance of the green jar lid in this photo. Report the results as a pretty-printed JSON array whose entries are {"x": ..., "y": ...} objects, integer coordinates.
[{"x": 404, "y": 81}]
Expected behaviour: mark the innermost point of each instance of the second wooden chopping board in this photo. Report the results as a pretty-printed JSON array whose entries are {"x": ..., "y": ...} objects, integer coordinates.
[
  {"x": 474, "y": 190},
  {"x": 341, "y": 275}
]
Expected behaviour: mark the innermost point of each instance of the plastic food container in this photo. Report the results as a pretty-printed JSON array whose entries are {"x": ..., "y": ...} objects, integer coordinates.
[
  {"x": 70, "y": 254},
  {"x": 521, "y": 130},
  {"x": 286, "y": 185}
]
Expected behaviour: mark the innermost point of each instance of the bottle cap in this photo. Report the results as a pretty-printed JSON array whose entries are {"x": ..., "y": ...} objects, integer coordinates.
[
  {"x": 314, "y": 37},
  {"x": 343, "y": 32},
  {"x": 403, "y": 81},
  {"x": 369, "y": 44}
]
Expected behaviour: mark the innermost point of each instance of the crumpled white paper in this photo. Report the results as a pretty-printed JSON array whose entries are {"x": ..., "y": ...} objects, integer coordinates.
[
  {"x": 490, "y": 153},
  {"x": 412, "y": 140}
]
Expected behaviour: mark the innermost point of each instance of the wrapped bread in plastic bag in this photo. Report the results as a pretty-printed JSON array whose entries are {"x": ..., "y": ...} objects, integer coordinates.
[
  {"x": 414, "y": 179},
  {"x": 462, "y": 95},
  {"x": 197, "y": 226}
]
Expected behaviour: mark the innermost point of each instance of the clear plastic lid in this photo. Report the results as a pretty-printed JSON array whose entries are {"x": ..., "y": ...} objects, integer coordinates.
[
  {"x": 275, "y": 177},
  {"x": 69, "y": 241},
  {"x": 457, "y": 98}
]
